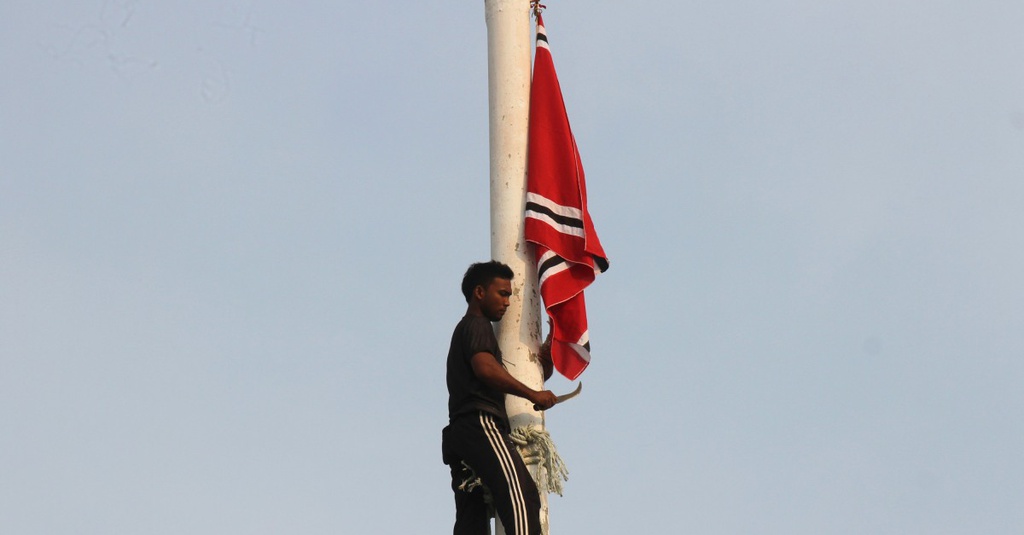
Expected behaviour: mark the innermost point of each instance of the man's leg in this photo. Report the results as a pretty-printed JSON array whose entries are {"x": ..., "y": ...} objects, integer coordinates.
[
  {"x": 472, "y": 516},
  {"x": 484, "y": 444}
]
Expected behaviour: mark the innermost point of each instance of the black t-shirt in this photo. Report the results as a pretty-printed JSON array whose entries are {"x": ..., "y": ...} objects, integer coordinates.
[{"x": 466, "y": 393}]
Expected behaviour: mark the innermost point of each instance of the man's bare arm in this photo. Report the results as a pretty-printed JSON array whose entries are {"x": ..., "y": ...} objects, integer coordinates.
[{"x": 487, "y": 369}]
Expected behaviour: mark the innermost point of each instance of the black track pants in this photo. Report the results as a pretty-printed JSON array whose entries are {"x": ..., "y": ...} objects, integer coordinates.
[{"x": 481, "y": 440}]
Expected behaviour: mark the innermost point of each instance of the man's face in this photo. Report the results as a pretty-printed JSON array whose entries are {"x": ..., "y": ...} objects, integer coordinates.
[{"x": 495, "y": 298}]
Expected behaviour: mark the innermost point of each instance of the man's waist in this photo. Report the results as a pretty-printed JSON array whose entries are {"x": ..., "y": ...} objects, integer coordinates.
[{"x": 474, "y": 411}]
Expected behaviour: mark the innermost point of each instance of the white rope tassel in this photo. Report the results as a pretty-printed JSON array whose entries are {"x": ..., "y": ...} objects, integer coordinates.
[
  {"x": 536, "y": 447},
  {"x": 473, "y": 482}
]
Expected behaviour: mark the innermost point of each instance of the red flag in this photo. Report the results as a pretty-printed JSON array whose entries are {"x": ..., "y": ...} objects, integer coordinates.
[{"x": 569, "y": 255}]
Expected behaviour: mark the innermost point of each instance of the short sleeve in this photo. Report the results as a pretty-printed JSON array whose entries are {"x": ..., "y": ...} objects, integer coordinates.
[{"x": 480, "y": 339}]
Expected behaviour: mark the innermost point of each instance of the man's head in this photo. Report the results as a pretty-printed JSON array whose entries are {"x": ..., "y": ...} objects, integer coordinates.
[{"x": 487, "y": 287}]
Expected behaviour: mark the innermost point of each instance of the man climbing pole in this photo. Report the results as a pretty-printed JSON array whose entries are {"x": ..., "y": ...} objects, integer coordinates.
[{"x": 476, "y": 443}]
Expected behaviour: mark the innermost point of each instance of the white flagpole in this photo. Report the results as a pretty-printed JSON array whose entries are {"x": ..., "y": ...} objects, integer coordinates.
[{"x": 508, "y": 62}]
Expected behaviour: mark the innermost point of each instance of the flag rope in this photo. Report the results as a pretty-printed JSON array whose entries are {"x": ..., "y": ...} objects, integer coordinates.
[{"x": 537, "y": 446}]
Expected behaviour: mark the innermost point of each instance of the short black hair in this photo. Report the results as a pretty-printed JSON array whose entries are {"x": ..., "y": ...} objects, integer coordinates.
[{"x": 481, "y": 274}]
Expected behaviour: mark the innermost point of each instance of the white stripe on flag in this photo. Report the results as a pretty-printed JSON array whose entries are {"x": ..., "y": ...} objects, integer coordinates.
[
  {"x": 581, "y": 351},
  {"x": 584, "y": 338}
]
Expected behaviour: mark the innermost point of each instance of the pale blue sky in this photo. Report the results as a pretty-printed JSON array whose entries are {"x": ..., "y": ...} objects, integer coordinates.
[{"x": 231, "y": 237}]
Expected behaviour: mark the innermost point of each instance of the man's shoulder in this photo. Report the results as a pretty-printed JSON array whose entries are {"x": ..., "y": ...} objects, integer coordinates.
[
  {"x": 475, "y": 334},
  {"x": 471, "y": 321}
]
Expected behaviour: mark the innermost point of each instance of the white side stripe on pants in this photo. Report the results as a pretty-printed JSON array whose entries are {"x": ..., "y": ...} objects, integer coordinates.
[{"x": 509, "y": 469}]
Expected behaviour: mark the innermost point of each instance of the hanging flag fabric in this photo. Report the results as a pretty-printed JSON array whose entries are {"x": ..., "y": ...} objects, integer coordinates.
[{"x": 569, "y": 255}]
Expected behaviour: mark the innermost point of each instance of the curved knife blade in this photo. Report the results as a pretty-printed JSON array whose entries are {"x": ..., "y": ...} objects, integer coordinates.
[{"x": 565, "y": 397}]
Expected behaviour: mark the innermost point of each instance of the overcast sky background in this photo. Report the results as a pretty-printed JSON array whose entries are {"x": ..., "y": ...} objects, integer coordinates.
[{"x": 232, "y": 232}]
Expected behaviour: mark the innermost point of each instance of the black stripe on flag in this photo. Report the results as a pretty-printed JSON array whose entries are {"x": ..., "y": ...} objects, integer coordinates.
[
  {"x": 601, "y": 264},
  {"x": 560, "y": 219},
  {"x": 554, "y": 261}
]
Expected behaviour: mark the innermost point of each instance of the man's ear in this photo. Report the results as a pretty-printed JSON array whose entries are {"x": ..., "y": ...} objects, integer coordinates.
[{"x": 479, "y": 292}]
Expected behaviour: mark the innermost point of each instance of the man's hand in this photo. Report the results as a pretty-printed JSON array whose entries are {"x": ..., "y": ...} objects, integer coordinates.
[
  {"x": 543, "y": 400},
  {"x": 544, "y": 355}
]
